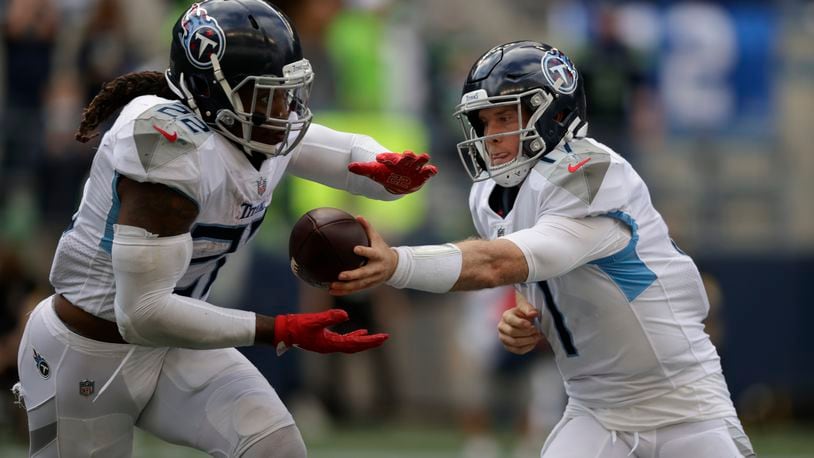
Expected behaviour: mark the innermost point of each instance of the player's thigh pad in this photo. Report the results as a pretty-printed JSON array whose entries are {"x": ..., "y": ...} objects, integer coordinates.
[
  {"x": 213, "y": 400},
  {"x": 711, "y": 438},
  {"x": 581, "y": 437},
  {"x": 736, "y": 432},
  {"x": 286, "y": 442},
  {"x": 61, "y": 375}
]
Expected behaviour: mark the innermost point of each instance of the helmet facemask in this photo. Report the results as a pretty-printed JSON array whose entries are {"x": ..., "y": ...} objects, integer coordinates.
[
  {"x": 473, "y": 151},
  {"x": 277, "y": 108}
]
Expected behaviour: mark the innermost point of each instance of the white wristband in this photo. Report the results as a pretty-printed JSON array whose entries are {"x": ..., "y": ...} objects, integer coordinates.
[{"x": 433, "y": 268}]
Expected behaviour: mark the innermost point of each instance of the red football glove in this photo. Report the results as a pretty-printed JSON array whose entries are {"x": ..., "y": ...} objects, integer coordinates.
[
  {"x": 308, "y": 331},
  {"x": 398, "y": 173}
]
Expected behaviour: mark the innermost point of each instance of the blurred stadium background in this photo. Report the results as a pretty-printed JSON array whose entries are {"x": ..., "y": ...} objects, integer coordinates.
[{"x": 712, "y": 101}]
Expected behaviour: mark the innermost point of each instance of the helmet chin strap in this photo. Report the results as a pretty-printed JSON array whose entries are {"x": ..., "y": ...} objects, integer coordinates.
[
  {"x": 515, "y": 175},
  {"x": 236, "y": 102},
  {"x": 183, "y": 92},
  {"x": 576, "y": 129}
]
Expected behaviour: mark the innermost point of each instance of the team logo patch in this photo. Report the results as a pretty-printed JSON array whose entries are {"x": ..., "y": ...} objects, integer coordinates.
[
  {"x": 202, "y": 37},
  {"x": 559, "y": 71},
  {"x": 41, "y": 364},
  {"x": 86, "y": 387},
  {"x": 262, "y": 183}
]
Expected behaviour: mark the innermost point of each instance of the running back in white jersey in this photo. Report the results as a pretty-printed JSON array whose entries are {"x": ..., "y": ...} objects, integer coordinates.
[
  {"x": 161, "y": 141},
  {"x": 625, "y": 328}
]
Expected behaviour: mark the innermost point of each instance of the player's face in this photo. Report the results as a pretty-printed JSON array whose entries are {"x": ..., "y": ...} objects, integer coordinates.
[
  {"x": 267, "y": 104},
  {"x": 496, "y": 121}
]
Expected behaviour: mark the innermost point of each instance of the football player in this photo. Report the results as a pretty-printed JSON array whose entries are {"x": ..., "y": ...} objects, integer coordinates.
[
  {"x": 180, "y": 181},
  {"x": 570, "y": 223}
]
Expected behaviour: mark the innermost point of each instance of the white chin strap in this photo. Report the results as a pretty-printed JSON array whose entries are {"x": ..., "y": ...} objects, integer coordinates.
[
  {"x": 513, "y": 177},
  {"x": 516, "y": 175},
  {"x": 236, "y": 102},
  {"x": 183, "y": 92}
]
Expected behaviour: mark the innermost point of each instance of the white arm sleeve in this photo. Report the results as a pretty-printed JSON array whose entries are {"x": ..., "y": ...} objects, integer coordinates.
[
  {"x": 558, "y": 244},
  {"x": 324, "y": 157},
  {"x": 146, "y": 269},
  {"x": 433, "y": 268}
]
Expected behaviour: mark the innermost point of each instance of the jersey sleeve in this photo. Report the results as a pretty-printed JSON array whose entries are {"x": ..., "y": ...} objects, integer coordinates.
[
  {"x": 324, "y": 155},
  {"x": 158, "y": 143},
  {"x": 557, "y": 244},
  {"x": 588, "y": 183},
  {"x": 476, "y": 194}
]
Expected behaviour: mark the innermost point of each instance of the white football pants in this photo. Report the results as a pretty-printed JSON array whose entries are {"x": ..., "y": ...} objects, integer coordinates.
[
  {"x": 583, "y": 437},
  {"x": 212, "y": 400}
]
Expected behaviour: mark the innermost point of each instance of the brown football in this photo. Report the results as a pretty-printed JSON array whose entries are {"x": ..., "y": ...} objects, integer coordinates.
[{"x": 321, "y": 245}]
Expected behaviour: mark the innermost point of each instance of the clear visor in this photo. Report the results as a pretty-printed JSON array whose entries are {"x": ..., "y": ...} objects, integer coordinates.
[
  {"x": 272, "y": 112},
  {"x": 473, "y": 151}
]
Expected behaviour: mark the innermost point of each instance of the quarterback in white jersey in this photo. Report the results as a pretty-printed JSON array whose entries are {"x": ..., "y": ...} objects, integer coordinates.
[
  {"x": 180, "y": 181},
  {"x": 571, "y": 225}
]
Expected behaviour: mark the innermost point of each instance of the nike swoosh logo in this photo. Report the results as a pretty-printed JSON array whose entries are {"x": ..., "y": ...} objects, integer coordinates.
[
  {"x": 171, "y": 137},
  {"x": 574, "y": 167}
]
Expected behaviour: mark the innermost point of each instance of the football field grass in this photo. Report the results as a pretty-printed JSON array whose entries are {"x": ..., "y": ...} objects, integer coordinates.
[{"x": 795, "y": 441}]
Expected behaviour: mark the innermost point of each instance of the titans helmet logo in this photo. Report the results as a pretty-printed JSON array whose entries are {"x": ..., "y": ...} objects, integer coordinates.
[
  {"x": 202, "y": 37},
  {"x": 559, "y": 72}
]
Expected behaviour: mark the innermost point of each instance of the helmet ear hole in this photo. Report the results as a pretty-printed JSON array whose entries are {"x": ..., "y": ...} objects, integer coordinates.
[
  {"x": 199, "y": 86},
  {"x": 475, "y": 122},
  {"x": 479, "y": 159}
]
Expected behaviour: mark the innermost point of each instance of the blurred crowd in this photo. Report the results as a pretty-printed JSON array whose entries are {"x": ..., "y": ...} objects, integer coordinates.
[{"x": 711, "y": 101}]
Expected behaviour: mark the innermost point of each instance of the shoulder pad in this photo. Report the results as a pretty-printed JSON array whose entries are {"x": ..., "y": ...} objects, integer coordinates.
[
  {"x": 165, "y": 132},
  {"x": 580, "y": 173}
]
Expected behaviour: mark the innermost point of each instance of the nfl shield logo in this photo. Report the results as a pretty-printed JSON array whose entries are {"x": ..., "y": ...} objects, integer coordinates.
[
  {"x": 262, "y": 182},
  {"x": 86, "y": 387}
]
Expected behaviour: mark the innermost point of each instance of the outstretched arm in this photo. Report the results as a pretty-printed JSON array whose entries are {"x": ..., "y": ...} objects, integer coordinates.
[
  {"x": 554, "y": 246},
  {"x": 358, "y": 164},
  {"x": 152, "y": 249},
  {"x": 466, "y": 265}
]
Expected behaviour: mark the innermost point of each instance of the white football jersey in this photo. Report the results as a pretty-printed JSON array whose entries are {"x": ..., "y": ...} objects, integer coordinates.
[
  {"x": 624, "y": 328},
  {"x": 161, "y": 141}
]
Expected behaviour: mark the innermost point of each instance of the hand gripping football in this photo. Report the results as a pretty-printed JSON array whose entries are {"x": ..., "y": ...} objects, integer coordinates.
[{"x": 321, "y": 245}]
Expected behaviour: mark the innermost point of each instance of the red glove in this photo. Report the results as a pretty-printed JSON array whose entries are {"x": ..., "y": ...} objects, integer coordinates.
[
  {"x": 398, "y": 173},
  {"x": 308, "y": 331}
]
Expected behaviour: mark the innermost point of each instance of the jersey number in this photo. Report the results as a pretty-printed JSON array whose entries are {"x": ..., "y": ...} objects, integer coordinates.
[
  {"x": 566, "y": 339},
  {"x": 185, "y": 116},
  {"x": 229, "y": 234}
]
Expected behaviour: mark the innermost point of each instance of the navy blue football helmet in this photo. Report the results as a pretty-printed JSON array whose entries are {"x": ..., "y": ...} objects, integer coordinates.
[
  {"x": 238, "y": 64},
  {"x": 544, "y": 86}
]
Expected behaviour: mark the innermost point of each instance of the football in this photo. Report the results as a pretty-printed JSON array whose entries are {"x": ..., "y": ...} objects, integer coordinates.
[{"x": 321, "y": 245}]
